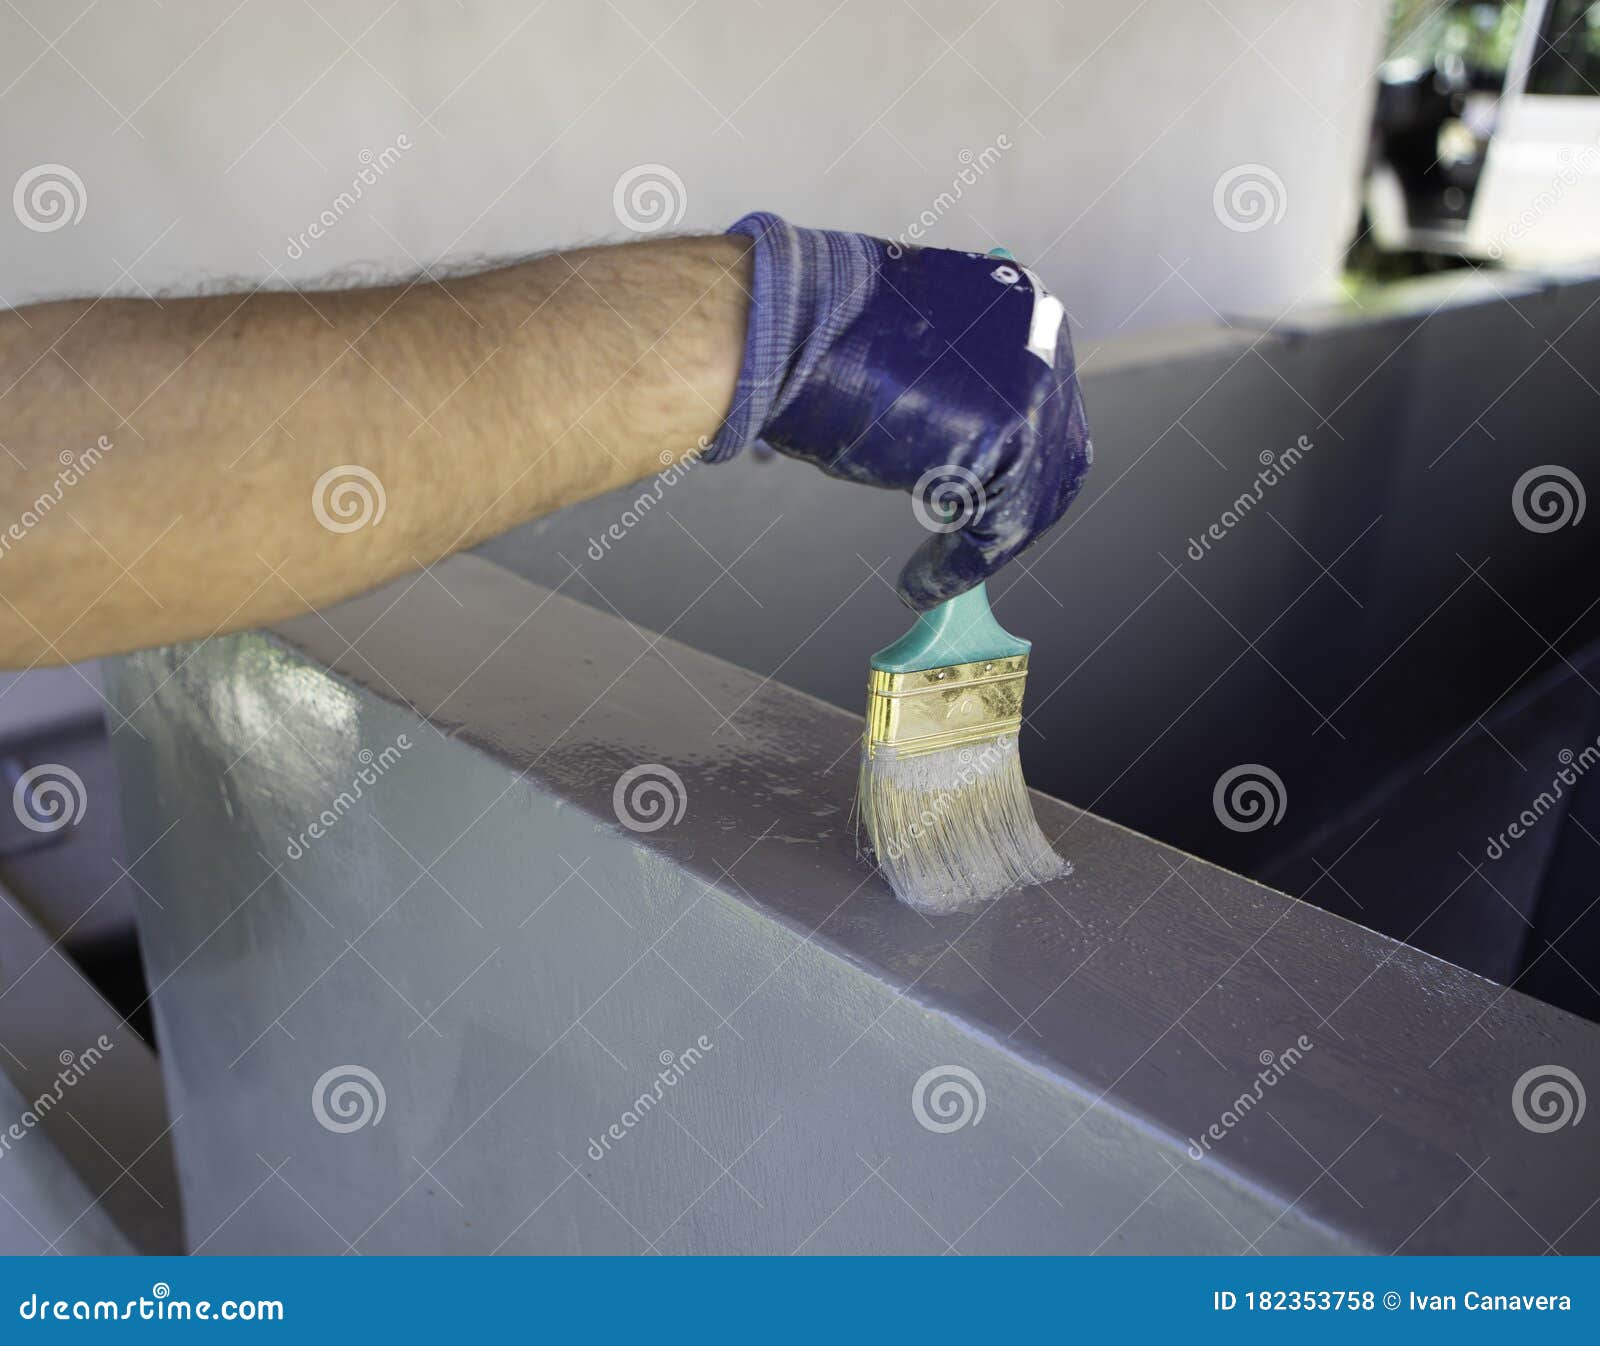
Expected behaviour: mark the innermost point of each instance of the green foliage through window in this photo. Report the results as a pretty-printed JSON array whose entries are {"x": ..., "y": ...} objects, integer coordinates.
[{"x": 1480, "y": 34}]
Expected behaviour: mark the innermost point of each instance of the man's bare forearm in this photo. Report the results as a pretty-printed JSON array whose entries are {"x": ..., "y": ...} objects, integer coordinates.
[{"x": 161, "y": 466}]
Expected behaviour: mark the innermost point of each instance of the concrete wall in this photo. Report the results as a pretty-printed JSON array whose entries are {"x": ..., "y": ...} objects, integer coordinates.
[{"x": 208, "y": 136}]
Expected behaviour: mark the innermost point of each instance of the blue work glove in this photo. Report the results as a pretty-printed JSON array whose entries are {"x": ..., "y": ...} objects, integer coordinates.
[{"x": 947, "y": 374}]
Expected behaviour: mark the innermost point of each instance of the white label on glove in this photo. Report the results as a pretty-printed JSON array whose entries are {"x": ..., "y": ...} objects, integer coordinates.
[{"x": 1048, "y": 312}]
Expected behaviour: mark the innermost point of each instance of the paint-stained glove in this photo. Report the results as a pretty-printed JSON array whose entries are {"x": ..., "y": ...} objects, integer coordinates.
[{"x": 946, "y": 374}]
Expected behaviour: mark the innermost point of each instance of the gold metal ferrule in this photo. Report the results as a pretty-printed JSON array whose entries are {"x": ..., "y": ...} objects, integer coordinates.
[{"x": 933, "y": 708}]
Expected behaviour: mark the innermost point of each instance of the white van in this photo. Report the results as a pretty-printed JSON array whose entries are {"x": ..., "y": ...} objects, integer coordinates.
[{"x": 1486, "y": 138}]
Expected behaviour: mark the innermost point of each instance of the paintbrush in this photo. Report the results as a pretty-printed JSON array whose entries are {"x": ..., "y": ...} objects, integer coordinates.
[{"x": 941, "y": 793}]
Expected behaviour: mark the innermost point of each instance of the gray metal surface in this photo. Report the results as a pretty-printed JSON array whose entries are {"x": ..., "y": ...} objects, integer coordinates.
[
  {"x": 86, "y": 1161},
  {"x": 43, "y": 1192},
  {"x": 509, "y": 965}
]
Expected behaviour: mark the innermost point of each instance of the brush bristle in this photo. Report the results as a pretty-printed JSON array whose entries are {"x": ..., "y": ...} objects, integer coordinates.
[{"x": 953, "y": 829}]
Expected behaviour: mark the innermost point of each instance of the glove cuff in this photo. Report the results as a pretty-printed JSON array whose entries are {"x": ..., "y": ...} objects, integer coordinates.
[{"x": 809, "y": 285}]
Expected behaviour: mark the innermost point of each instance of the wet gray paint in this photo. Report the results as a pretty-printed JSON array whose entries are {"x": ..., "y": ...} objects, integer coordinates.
[{"x": 515, "y": 994}]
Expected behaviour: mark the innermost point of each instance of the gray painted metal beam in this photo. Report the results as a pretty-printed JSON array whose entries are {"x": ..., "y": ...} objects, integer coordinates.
[
  {"x": 500, "y": 965},
  {"x": 47, "y": 1207},
  {"x": 86, "y": 1162}
]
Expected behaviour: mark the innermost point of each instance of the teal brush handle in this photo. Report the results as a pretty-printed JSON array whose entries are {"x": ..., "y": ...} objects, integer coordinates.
[{"x": 961, "y": 630}]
